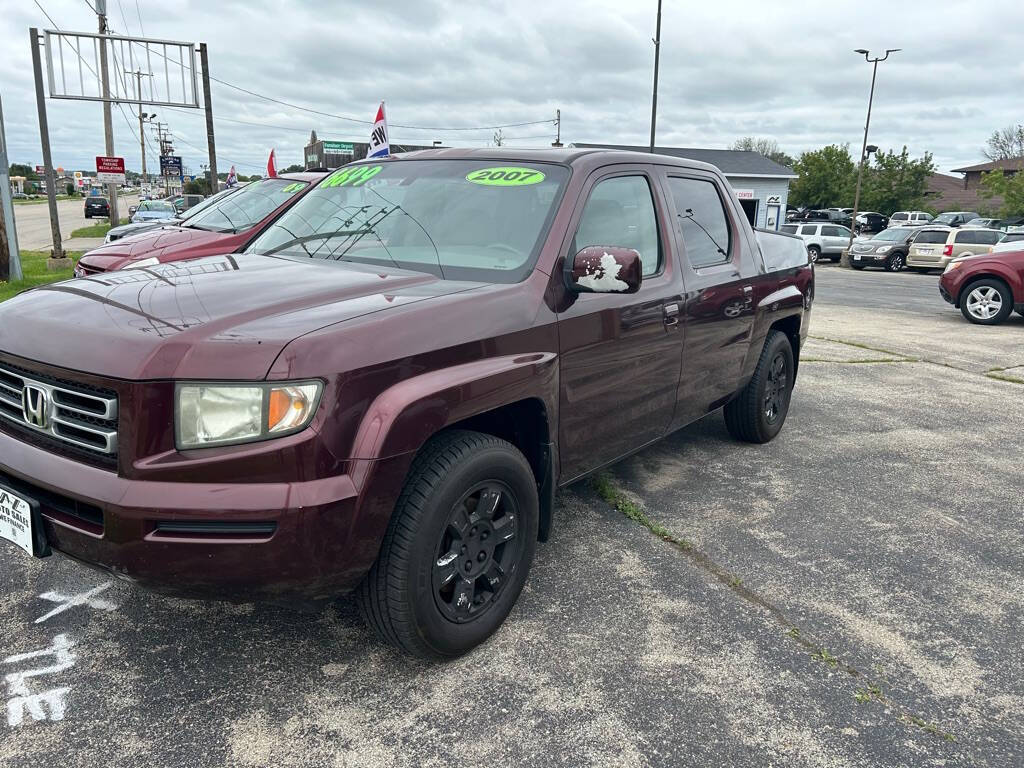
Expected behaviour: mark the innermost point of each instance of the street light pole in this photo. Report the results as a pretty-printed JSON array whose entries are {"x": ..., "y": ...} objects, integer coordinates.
[
  {"x": 654, "y": 96},
  {"x": 864, "y": 146}
]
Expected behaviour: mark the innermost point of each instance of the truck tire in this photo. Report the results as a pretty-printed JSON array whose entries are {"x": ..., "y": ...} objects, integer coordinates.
[
  {"x": 458, "y": 548},
  {"x": 757, "y": 414}
]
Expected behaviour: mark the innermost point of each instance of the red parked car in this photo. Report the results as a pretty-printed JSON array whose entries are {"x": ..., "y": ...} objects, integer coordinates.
[
  {"x": 986, "y": 289},
  {"x": 224, "y": 227}
]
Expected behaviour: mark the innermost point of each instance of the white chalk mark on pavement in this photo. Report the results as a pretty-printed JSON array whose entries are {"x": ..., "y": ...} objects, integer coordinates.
[
  {"x": 85, "y": 598},
  {"x": 22, "y": 699}
]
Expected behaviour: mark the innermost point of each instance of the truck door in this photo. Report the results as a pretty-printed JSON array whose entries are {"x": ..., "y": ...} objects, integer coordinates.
[
  {"x": 721, "y": 291},
  {"x": 619, "y": 354}
]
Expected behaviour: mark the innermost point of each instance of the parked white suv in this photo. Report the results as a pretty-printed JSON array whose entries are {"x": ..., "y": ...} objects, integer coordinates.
[
  {"x": 910, "y": 219},
  {"x": 822, "y": 240}
]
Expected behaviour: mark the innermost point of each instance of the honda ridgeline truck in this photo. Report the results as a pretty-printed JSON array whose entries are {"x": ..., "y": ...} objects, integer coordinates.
[{"x": 383, "y": 392}]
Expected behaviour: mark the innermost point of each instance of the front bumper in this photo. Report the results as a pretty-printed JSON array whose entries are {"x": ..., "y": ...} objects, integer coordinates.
[
  {"x": 225, "y": 541},
  {"x": 869, "y": 258}
]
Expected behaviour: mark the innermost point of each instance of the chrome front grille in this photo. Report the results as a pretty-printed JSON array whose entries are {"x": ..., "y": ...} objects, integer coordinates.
[{"x": 76, "y": 415}]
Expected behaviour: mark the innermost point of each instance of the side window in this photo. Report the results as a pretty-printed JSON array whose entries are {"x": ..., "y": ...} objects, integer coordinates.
[
  {"x": 835, "y": 232},
  {"x": 809, "y": 229},
  {"x": 966, "y": 237},
  {"x": 988, "y": 238},
  {"x": 702, "y": 218},
  {"x": 620, "y": 212}
]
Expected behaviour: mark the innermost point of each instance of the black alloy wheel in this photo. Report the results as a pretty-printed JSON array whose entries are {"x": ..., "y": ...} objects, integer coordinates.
[
  {"x": 479, "y": 547},
  {"x": 776, "y": 390}
]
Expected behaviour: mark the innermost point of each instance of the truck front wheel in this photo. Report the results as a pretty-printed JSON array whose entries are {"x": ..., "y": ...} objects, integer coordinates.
[
  {"x": 458, "y": 548},
  {"x": 757, "y": 414}
]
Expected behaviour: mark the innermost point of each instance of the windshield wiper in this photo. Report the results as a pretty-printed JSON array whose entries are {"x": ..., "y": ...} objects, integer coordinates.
[{"x": 689, "y": 215}]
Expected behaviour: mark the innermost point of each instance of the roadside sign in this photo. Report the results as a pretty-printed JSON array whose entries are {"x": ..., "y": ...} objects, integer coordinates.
[
  {"x": 341, "y": 147},
  {"x": 170, "y": 165},
  {"x": 744, "y": 194},
  {"x": 40, "y": 169},
  {"x": 110, "y": 170}
]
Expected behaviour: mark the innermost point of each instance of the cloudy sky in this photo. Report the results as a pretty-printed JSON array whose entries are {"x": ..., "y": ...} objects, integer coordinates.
[{"x": 732, "y": 68}]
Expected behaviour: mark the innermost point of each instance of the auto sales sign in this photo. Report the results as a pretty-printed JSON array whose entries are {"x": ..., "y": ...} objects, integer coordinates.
[{"x": 110, "y": 170}]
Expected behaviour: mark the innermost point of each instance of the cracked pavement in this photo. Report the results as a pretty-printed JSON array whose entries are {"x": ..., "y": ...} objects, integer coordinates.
[{"x": 852, "y": 598}]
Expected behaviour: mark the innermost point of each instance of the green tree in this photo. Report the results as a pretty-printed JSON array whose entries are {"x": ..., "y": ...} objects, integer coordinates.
[
  {"x": 1006, "y": 143},
  {"x": 293, "y": 169},
  {"x": 895, "y": 182},
  {"x": 767, "y": 147},
  {"x": 20, "y": 169},
  {"x": 1010, "y": 188},
  {"x": 197, "y": 187},
  {"x": 826, "y": 177}
]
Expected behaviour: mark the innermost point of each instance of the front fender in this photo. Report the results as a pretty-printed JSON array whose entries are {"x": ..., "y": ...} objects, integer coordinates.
[{"x": 403, "y": 417}]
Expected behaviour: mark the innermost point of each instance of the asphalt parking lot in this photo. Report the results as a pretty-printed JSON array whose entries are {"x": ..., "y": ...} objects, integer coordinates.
[{"x": 848, "y": 595}]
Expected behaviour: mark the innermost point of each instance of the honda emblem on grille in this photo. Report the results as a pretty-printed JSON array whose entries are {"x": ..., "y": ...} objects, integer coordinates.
[{"x": 35, "y": 404}]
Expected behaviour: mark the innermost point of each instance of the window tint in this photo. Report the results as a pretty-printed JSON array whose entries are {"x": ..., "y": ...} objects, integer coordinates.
[
  {"x": 702, "y": 218},
  {"x": 835, "y": 231},
  {"x": 967, "y": 237},
  {"x": 789, "y": 229},
  {"x": 620, "y": 212},
  {"x": 809, "y": 229},
  {"x": 931, "y": 236},
  {"x": 988, "y": 238},
  {"x": 898, "y": 216},
  {"x": 1013, "y": 237}
]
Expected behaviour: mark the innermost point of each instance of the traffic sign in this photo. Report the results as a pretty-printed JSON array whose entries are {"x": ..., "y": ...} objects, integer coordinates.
[{"x": 110, "y": 170}]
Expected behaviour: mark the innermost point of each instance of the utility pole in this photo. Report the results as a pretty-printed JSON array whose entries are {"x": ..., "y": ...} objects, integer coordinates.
[
  {"x": 657, "y": 55},
  {"x": 845, "y": 259},
  {"x": 138, "y": 75},
  {"x": 10, "y": 259},
  {"x": 108, "y": 126},
  {"x": 44, "y": 137},
  {"x": 204, "y": 60},
  {"x": 558, "y": 129}
]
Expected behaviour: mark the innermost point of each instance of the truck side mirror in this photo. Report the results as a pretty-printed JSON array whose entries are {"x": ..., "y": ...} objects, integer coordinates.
[{"x": 604, "y": 269}]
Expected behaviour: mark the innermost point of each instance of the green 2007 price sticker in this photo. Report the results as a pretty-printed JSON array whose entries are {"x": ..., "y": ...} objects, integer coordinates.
[
  {"x": 294, "y": 187},
  {"x": 505, "y": 176},
  {"x": 353, "y": 176}
]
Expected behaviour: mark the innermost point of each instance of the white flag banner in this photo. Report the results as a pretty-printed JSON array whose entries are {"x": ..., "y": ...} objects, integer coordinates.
[{"x": 379, "y": 136}]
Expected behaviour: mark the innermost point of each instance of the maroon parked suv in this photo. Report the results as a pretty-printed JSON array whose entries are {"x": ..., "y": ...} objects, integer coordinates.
[
  {"x": 985, "y": 288},
  {"x": 227, "y": 225},
  {"x": 384, "y": 391}
]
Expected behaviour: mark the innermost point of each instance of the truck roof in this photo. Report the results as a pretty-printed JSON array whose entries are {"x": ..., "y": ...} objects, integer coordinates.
[{"x": 584, "y": 158}]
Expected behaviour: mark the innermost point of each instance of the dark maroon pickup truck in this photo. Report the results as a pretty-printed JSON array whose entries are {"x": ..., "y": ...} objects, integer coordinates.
[{"x": 385, "y": 389}]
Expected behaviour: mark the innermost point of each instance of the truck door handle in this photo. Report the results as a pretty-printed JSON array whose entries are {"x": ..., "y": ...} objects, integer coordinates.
[
  {"x": 747, "y": 290},
  {"x": 671, "y": 312}
]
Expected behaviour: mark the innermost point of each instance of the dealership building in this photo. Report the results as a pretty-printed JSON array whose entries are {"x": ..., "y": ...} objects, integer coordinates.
[
  {"x": 325, "y": 153},
  {"x": 760, "y": 184}
]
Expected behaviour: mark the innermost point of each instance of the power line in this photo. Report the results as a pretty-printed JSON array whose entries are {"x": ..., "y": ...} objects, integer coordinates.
[
  {"x": 142, "y": 31},
  {"x": 370, "y": 122}
]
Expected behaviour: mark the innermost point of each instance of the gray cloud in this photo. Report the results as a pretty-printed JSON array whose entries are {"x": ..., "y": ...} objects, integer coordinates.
[{"x": 728, "y": 70}]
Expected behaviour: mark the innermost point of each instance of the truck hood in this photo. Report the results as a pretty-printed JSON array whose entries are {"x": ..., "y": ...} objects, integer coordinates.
[{"x": 219, "y": 317}]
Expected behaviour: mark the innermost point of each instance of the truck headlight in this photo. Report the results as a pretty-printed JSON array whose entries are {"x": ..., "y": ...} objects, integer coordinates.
[
  {"x": 884, "y": 249},
  {"x": 225, "y": 414}
]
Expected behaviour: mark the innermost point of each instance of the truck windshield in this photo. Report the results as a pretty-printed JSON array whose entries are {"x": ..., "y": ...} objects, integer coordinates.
[
  {"x": 456, "y": 219},
  {"x": 248, "y": 206}
]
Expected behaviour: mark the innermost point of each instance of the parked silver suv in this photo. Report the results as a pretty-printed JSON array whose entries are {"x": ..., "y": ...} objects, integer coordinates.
[
  {"x": 910, "y": 219},
  {"x": 822, "y": 240}
]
